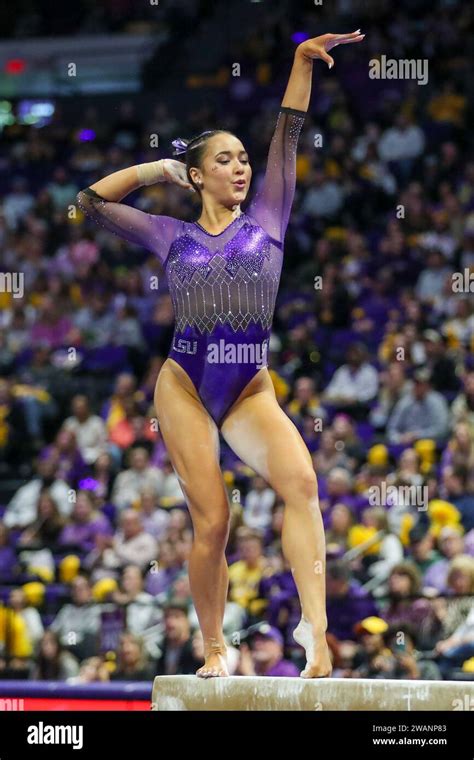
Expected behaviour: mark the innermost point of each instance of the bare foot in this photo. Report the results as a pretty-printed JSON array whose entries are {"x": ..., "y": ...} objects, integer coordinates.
[
  {"x": 215, "y": 661},
  {"x": 318, "y": 661}
]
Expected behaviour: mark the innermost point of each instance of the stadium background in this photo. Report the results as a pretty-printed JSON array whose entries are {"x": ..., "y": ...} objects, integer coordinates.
[{"x": 383, "y": 217}]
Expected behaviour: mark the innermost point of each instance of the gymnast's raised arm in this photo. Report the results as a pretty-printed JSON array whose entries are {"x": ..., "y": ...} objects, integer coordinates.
[{"x": 272, "y": 205}]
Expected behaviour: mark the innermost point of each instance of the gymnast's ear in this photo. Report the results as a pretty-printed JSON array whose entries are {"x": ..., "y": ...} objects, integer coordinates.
[{"x": 195, "y": 175}]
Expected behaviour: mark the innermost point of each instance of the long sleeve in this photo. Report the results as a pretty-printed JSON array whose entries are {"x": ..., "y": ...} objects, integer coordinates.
[
  {"x": 154, "y": 232},
  {"x": 272, "y": 205}
]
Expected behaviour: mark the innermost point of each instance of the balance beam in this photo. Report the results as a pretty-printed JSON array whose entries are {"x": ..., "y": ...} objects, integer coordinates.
[{"x": 259, "y": 693}]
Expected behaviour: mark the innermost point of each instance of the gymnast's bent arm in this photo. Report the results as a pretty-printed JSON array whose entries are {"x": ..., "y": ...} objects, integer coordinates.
[{"x": 101, "y": 203}]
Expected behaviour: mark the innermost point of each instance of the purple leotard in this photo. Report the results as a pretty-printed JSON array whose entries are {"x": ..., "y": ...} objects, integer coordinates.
[{"x": 224, "y": 286}]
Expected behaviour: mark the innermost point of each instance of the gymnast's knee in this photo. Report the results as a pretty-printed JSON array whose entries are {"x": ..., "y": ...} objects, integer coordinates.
[
  {"x": 212, "y": 532},
  {"x": 303, "y": 488}
]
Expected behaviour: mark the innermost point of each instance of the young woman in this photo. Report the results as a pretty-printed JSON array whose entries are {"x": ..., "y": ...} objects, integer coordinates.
[{"x": 223, "y": 273}]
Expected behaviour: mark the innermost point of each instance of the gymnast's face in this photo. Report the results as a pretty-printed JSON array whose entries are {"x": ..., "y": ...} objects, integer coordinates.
[{"x": 225, "y": 171}]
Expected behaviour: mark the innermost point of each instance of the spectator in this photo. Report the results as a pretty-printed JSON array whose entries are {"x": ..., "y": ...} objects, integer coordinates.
[
  {"x": 324, "y": 197},
  {"x": 164, "y": 570},
  {"x": 340, "y": 523},
  {"x": 458, "y": 647},
  {"x": 390, "y": 551},
  {"x": 408, "y": 661},
  {"x": 131, "y": 545},
  {"x": 85, "y": 523},
  {"x": 441, "y": 367},
  {"x": 46, "y": 529},
  {"x": 355, "y": 383},
  {"x": 132, "y": 660},
  {"x": 462, "y": 409},
  {"x": 347, "y": 602},
  {"x": 422, "y": 413},
  {"x": 92, "y": 670},
  {"x": 394, "y": 385},
  {"x": 246, "y": 573},
  {"x": 17, "y": 202},
  {"x": 177, "y": 657},
  {"x": 264, "y": 657},
  {"x": 51, "y": 327},
  {"x": 54, "y": 662},
  {"x": 327, "y": 456},
  {"x": 34, "y": 625},
  {"x": 155, "y": 520},
  {"x": 62, "y": 190},
  {"x": 431, "y": 281},
  {"x": 21, "y": 511},
  {"x": 77, "y": 622},
  {"x": 142, "y": 612},
  {"x": 89, "y": 429},
  {"x": 405, "y": 606},
  {"x": 421, "y": 549},
  {"x": 451, "y": 545},
  {"x": 258, "y": 505},
  {"x": 401, "y": 144},
  {"x": 372, "y": 659},
  {"x": 456, "y": 490},
  {"x": 130, "y": 482}
]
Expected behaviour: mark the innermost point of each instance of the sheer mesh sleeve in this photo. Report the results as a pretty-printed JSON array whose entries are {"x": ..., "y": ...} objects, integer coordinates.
[
  {"x": 152, "y": 231},
  {"x": 272, "y": 205}
]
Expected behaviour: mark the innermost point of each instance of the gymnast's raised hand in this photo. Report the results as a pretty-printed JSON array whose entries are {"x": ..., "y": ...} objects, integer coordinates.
[{"x": 318, "y": 47}]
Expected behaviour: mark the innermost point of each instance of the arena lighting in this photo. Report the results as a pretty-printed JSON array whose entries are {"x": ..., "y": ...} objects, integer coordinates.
[
  {"x": 299, "y": 37},
  {"x": 35, "y": 112},
  {"x": 86, "y": 135},
  {"x": 6, "y": 115},
  {"x": 15, "y": 66}
]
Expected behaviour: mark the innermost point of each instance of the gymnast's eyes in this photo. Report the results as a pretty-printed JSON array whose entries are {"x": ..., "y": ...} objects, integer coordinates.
[{"x": 227, "y": 161}]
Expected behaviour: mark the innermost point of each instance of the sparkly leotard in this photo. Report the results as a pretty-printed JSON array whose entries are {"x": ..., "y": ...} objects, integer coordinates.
[{"x": 224, "y": 286}]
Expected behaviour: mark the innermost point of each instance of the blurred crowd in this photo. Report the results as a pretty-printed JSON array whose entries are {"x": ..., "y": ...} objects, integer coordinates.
[
  {"x": 47, "y": 19},
  {"x": 371, "y": 356}
]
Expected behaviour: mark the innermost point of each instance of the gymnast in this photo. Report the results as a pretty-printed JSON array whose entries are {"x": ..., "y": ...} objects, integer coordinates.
[{"x": 223, "y": 272}]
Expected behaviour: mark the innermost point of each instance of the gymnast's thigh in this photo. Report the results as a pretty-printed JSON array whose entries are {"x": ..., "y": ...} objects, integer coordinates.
[
  {"x": 264, "y": 437},
  {"x": 191, "y": 438}
]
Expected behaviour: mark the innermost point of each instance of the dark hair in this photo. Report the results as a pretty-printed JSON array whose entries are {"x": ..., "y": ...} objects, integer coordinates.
[
  {"x": 338, "y": 570},
  {"x": 194, "y": 149}
]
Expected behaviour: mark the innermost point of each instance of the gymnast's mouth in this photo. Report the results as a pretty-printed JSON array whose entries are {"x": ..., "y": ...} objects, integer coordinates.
[{"x": 240, "y": 183}]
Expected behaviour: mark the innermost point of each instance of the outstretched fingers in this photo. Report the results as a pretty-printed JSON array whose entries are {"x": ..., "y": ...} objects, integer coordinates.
[{"x": 344, "y": 39}]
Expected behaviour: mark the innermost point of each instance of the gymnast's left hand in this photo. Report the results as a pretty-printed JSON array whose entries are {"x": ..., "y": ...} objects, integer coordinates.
[{"x": 318, "y": 47}]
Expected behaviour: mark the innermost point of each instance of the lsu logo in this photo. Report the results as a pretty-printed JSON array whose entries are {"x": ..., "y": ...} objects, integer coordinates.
[{"x": 184, "y": 346}]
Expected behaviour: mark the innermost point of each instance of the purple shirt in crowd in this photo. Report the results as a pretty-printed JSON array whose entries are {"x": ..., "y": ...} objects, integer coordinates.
[
  {"x": 84, "y": 534},
  {"x": 283, "y": 668}
]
